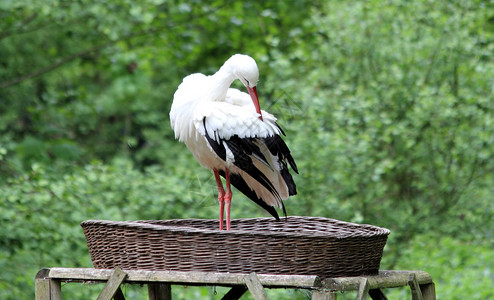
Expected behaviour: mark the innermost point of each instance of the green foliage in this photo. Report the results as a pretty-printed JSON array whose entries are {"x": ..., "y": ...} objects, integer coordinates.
[
  {"x": 387, "y": 106},
  {"x": 406, "y": 127},
  {"x": 469, "y": 267},
  {"x": 42, "y": 211}
]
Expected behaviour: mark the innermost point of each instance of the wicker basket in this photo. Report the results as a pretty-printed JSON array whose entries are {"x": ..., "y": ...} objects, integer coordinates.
[{"x": 295, "y": 245}]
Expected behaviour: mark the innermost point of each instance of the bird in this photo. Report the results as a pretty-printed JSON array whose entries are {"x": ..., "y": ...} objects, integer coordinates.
[{"x": 228, "y": 133}]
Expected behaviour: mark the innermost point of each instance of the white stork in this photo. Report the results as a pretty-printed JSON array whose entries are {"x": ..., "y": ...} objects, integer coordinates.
[{"x": 227, "y": 132}]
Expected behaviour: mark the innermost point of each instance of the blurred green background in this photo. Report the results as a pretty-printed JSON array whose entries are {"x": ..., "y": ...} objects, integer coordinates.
[{"x": 387, "y": 105}]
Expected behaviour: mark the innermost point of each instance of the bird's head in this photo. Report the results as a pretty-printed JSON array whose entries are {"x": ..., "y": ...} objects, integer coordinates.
[{"x": 244, "y": 68}]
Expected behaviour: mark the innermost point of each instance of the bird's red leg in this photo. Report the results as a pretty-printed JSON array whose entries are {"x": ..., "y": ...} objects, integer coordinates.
[
  {"x": 221, "y": 196},
  {"x": 228, "y": 198}
]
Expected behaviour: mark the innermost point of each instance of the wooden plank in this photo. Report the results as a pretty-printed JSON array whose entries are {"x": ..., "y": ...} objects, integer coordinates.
[
  {"x": 323, "y": 295},
  {"x": 428, "y": 291},
  {"x": 177, "y": 277},
  {"x": 415, "y": 287},
  {"x": 42, "y": 285},
  {"x": 255, "y": 287},
  {"x": 47, "y": 288},
  {"x": 385, "y": 279},
  {"x": 235, "y": 293},
  {"x": 113, "y": 284},
  {"x": 159, "y": 291},
  {"x": 363, "y": 289}
]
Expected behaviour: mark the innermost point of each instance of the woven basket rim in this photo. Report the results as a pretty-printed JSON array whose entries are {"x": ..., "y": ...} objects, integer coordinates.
[{"x": 147, "y": 225}]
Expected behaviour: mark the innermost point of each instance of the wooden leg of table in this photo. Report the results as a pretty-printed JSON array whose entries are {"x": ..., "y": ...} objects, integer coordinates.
[
  {"x": 119, "y": 295},
  {"x": 47, "y": 288},
  {"x": 363, "y": 289},
  {"x": 159, "y": 291},
  {"x": 112, "y": 285},
  {"x": 377, "y": 294},
  {"x": 235, "y": 293},
  {"x": 428, "y": 291},
  {"x": 415, "y": 287},
  {"x": 255, "y": 287},
  {"x": 323, "y": 295}
]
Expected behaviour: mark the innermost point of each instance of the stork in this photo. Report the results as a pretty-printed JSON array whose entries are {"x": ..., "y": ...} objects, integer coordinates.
[{"x": 228, "y": 133}]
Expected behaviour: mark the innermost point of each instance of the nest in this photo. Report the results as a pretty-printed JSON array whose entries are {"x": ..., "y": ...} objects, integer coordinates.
[{"x": 295, "y": 245}]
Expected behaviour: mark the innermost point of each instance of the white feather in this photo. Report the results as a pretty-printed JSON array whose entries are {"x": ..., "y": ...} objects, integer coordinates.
[{"x": 206, "y": 105}]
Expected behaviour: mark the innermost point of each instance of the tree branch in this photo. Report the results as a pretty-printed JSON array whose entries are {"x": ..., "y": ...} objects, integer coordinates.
[
  {"x": 96, "y": 48},
  {"x": 26, "y": 21},
  {"x": 72, "y": 57},
  {"x": 50, "y": 67}
]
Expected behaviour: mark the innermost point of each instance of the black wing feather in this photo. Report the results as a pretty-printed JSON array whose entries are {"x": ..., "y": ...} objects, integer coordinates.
[
  {"x": 218, "y": 149},
  {"x": 243, "y": 149},
  {"x": 242, "y": 186},
  {"x": 281, "y": 129},
  {"x": 287, "y": 177},
  {"x": 278, "y": 148}
]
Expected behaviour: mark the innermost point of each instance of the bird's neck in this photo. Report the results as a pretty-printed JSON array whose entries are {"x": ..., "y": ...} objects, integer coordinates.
[{"x": 220, "y": 82}]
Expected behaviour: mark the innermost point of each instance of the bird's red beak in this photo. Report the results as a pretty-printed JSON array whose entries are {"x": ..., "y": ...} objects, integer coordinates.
[{"x": 253, "y": 95}]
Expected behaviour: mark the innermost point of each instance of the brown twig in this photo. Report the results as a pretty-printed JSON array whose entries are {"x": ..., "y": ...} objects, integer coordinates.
[
  {"x": 87, "y": 51},
  {"x": 26, "y": 21},
  {"x": 70, "y": 58},
  {"x": 48, "y": 68}
]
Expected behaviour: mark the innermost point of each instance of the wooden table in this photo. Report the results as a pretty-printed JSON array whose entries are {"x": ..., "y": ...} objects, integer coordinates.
[{"x": 48, "y": 283}]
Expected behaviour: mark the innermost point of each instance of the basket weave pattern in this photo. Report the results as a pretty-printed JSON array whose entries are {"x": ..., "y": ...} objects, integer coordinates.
[{"x": 295, "y": 245}]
